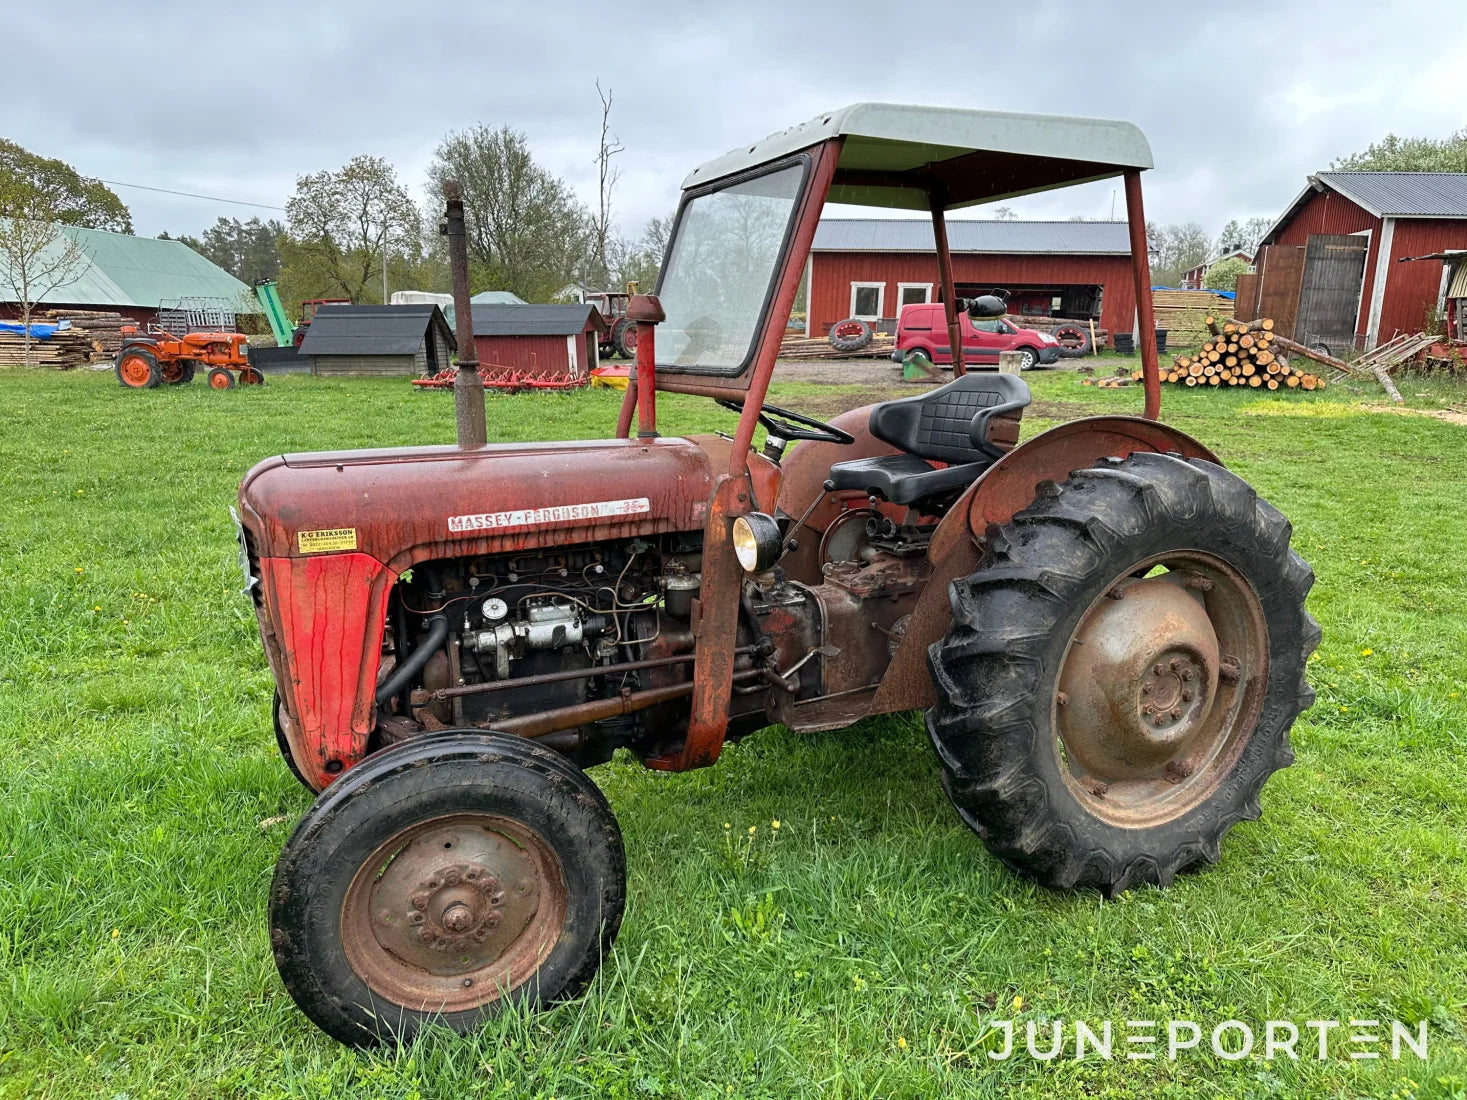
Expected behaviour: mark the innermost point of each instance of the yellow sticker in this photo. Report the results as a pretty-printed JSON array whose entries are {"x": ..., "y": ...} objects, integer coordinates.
[{"x": 339, "y": 538}]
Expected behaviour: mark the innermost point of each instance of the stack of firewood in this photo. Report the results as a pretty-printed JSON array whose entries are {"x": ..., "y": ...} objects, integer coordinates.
[
  {"x": 62, "y": 350},
  {"x": 104, "y": 327},
  {"x": 1240, "y": 353},
  {"x": 800, "y": 349}
]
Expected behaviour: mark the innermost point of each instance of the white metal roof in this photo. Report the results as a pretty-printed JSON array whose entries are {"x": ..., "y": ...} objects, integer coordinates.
[{"x": 902, "y": 139}]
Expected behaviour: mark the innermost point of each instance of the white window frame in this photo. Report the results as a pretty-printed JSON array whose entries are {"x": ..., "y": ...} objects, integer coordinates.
[
  {"x": 902, "y": 288},
  {"x": 880, "y": 289}
]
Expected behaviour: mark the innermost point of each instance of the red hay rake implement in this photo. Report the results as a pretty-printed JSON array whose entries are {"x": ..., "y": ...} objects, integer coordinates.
[{"x": 505, "y": 378}]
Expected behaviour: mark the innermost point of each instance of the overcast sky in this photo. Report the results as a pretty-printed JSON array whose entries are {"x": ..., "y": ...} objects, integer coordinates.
[{"x": 1239, "y": 100}]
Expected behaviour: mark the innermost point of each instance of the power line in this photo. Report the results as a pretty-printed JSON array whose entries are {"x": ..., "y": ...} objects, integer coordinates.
[{"x": 191, "y": 195}]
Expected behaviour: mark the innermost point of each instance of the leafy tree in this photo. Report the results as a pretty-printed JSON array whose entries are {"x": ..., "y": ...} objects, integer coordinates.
[
  {"x": 603, "y": 245},
  {"x": 527, "y": 233},
  {"x": 249, "y": 251},
  {"x": 1223, "y": 275},
  {"x": 1179, "y": 248},
  {"x": 341, "y": 227},
  {"x": 1398, "y": 154},
  {"x": 68, "y": 197},
  {"x": 1005, "y": 214},
  {"x": 37, "y": 256},
  {"x": 640, "y": 261},
  {"x": 1245, "y": 235}
]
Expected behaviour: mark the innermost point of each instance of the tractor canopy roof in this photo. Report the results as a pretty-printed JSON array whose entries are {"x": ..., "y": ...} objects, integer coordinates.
[{"x": 894, "y": 155}]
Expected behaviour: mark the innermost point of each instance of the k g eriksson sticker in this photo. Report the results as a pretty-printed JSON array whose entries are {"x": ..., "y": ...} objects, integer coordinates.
[{"x": 338, "y": 538}]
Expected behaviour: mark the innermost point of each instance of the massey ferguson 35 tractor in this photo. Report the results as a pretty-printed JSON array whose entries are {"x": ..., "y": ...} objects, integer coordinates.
[{"x": 1104, "y": 627}]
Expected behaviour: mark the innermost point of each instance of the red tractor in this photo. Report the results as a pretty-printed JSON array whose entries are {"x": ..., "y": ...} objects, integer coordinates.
[
  {"x": 1104, "y": 626},
  {"x": 159, "y": 357},
  {"x": 620, "y": 337}
]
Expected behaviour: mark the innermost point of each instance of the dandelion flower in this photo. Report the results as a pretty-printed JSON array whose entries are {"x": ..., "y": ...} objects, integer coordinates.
[
  {"x": 1366, "y": 652},
  {"x": 753, "y": 829},
  {"x": 726, "y": 825},
  {"x": 78, "y": 569},
  {"x": 774, "y": 824},
  {"x": 901, "y": 1043},
  {"x": 116, "y": 932},
  {"x": 1017, "y": 1004}
]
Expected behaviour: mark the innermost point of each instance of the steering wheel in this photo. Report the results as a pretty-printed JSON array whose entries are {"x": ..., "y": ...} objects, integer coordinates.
[{"x": 815, "y": 431}]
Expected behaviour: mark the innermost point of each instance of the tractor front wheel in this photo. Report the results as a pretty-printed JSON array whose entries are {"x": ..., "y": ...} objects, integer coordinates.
[
  {"x": 251, "y": 376},
  {"x": 441, "y": 879},
  {"x": 221, "y": 378},
  {"x": 1122, "y": 671},
  {"x": 137, "y": 369}
]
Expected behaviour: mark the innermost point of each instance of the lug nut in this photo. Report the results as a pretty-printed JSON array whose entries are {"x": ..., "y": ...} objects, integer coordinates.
[
  {"x": 1186, "y": 696},
  {"x": 1176, "y": 713},
  {"x": 1158, "y": 668},
  {"x": 1148, "y": 709},
  {"x": 1146, "y": 689},
  {"x": 1186, "y": 674}
]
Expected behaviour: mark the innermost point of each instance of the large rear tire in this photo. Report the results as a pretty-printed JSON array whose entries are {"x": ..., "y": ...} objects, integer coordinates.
[
  {"x": 442, "y": 878},
  {"x": 1122, "y": 672},
  {"x": 137, "y": 369}
]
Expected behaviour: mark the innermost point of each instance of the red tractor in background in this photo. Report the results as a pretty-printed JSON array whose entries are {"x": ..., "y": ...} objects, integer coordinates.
[
  {"x": 1105, "y": 627},
  {"x": 621, "y": 332},
  {"x": 190, "y": 334}
]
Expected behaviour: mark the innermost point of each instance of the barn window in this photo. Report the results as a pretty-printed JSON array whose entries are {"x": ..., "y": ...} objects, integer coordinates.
[
  {"x": 911, "y": 294},
  {"x": 866, "y": 300}
]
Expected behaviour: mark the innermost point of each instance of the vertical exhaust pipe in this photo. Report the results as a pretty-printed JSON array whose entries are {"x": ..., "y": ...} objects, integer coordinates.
[{"x": 468, "y": 387}]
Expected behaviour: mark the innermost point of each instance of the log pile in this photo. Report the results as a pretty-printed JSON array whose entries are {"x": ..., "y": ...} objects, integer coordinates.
[
  {"x": 1240, "y": 353},
  {"x": 801, "y": 349},
  {"x": 1185, "y": 313},
  {"x": 103, "y": 326},
  {"x": 63, "y": 350}
]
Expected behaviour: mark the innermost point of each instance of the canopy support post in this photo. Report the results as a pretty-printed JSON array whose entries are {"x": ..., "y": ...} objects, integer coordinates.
[
  {"x": 1141, "y": 272},
  {"x": 945, "y": 277}
]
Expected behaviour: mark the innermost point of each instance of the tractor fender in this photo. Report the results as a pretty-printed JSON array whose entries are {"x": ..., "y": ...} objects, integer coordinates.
[{"x": 1006, "y": 487}]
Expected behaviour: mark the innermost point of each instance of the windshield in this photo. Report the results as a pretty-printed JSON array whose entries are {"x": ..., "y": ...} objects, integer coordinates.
[{"x": 720, "y": 271}]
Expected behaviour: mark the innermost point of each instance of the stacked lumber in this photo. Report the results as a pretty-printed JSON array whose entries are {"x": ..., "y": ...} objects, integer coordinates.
[
  {"x": 1239, "y": 353},
  {"x": 1185, "y": 313},
  {"x": 103, "y": 326},
  {"x": 800, "y": 348},
  {"x": 63, "y": 350}
]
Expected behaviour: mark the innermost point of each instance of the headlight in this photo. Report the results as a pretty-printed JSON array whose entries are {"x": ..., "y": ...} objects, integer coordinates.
[
  {"x": 1047, "y": 338},
  {"x": 756, "y": 540}
]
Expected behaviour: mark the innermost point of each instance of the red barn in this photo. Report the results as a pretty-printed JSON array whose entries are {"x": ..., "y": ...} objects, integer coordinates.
[
  {"x": 551, "y": 341},
  {"x": 871, "y": 267},
  {"x": 1329, "y": 270}
]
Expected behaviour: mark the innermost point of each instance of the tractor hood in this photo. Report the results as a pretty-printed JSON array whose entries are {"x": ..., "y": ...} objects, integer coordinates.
[{"x": 411, "y": 504}]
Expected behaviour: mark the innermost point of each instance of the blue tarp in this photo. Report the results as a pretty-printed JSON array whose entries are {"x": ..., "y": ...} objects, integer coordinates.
[{"x": 40, "y": 330}]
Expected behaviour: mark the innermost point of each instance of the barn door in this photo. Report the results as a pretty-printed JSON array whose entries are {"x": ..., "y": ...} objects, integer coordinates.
[
  {"x": 1280, "y": 276},
  {"x": 1329, "y": 302}
]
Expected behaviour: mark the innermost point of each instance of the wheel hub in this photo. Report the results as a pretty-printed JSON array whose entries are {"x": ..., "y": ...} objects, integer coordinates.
[
  {"x": 454, "y": 899},
  {"x": 1140, "y": 680}
]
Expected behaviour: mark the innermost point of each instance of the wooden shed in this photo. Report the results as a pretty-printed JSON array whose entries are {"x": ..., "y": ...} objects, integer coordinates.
[
  {"x": 396, "y": 341},
  {"x": 549, "y": 341}
]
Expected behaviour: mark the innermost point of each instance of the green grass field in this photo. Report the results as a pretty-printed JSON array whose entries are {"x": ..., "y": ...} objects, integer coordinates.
[{"x": 855, "y": 950}]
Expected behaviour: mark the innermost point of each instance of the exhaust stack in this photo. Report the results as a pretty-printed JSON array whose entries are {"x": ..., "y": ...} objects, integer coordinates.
[{"x": 468, "y": 388}]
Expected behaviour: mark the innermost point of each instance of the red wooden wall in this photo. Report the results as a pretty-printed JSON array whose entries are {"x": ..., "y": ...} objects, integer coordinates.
[
  {"x": 536, "y": 354},
  {"x": 832, "y": 273}
]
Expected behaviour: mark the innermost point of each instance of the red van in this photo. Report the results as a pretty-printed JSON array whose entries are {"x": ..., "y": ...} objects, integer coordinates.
[{"x": 923, "y": 327}]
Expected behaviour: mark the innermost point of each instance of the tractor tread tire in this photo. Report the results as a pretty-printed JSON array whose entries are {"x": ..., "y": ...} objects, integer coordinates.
[
  {"x": 1074, "y": 332},
  {"x": 995, "y": 672},
  {"x": 449, "y": 772},
  {"x": 858, "y": 340},
  {"x": 155, "y": 372},
  {"x": 619, "y": 343}
]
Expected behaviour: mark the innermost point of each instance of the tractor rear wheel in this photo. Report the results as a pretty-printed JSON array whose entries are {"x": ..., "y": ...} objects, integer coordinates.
[
  {"x": 137, "y": 369},
  {"x": 441, "y": 879},
  {"x": 624, "y": 336},
  {"x": 180, "y": 372},
  {"x": 1122, "y": 671},
  {"x": 221, "y": 378}
]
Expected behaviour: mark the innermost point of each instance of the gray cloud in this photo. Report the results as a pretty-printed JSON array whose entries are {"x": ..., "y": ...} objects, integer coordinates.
[{"x": 238, "y": 99}]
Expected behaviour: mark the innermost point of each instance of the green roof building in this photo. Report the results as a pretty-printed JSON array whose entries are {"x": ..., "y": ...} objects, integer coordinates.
[{"x": 132, "y": 275}]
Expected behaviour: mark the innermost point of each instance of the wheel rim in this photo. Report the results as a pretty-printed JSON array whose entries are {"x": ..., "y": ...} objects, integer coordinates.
[
  {"x": 219, "y": 380},
  {"x": 848, "y": 328},
  {"x": 1160, "y": 688},
  {"x": 1028, "y": 360},
  {"x": 135, "y": 370},
  {"x": 452, "y": 913}
]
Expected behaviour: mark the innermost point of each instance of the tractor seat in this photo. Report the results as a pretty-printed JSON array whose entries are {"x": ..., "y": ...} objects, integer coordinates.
[{"x": 970, "y": 424}]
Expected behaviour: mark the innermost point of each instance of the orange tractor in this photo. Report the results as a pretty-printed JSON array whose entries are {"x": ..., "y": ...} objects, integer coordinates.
[{"x": 187, "y": 336}]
